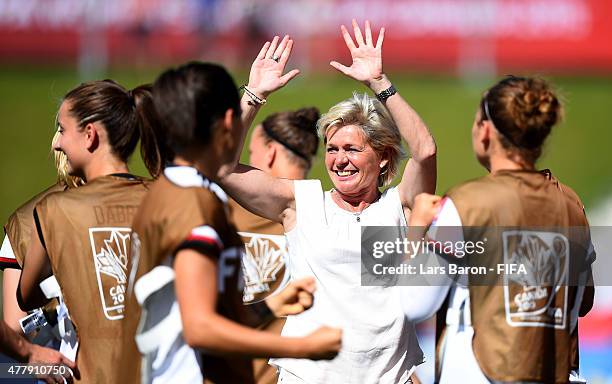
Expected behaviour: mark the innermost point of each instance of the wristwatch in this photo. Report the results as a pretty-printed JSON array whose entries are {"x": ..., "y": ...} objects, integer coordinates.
[{"x": 387, "y": 93}]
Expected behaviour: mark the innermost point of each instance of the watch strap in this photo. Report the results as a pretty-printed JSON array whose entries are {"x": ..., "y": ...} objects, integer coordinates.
[{"x": 384, "y": 95}]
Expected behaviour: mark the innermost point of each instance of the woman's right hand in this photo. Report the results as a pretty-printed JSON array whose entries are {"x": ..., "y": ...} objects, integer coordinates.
[
  {"x": 266, "y": 75},
  {"x": 294, "y": 299},
  {"x": 39, "y": 355},
  {"x": 323, "y": 344}
]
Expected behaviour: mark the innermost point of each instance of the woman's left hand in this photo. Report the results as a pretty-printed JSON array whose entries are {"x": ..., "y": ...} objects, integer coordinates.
[
  {"x": 367, "y": 57},
  {"x": 266, "y": 74}
]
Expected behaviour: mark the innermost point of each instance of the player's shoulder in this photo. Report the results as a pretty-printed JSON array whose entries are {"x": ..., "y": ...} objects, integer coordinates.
[
  {"x": 478, "y": 199},
  {"x": 486, "y": 186},
  {"x": 28, "y": 206},
  {"x": 181, "y": 189},
  {"x": 568, "y": 193},
  {"x": 54, "y": 199}
]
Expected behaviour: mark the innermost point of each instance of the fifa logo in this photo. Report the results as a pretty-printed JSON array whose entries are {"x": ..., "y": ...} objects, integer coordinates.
[
  {"x": 109, "y": 248},
  {"x": 263, "y": 265},
  {"x": 537, "y": 298}
]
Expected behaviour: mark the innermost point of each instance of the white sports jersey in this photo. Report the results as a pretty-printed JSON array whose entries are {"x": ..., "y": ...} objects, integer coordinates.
[
  {"x": 6, "y": 252},
  {"x": 58, "y": 336},
  {"x": 456, "y": 352},
  {"x": 183, "y": 210},
  {"x": 166, "y": 356}
]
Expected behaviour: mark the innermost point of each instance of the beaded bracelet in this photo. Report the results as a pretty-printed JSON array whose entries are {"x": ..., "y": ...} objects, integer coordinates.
[{"x": 254, "y": 98}]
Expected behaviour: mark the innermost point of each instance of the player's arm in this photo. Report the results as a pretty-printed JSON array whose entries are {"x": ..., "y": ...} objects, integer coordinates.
[
  {"x": 294, "y": 299},
  {"x": 203, "y": 327},
  {"x": 36, "y": 268},
  {"x": 420, "y": 302},
  {"x": 367, "y": 67},
  {"x": 10, "y": 308},
  {"x": 13, "y": 345},
  {"x": 260, "y": 193}
]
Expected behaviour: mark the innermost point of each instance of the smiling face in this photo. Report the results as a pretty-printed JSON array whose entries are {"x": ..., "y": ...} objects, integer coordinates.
[
  {"x": 352, "y": 164},
  {"x": 72, "y": 141}
]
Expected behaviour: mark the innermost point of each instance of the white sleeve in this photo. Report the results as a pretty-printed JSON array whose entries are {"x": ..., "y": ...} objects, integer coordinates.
[
  {"x": 421, "y": 302},
  {"x": 6, "y": 252},
  {"x": 447, "y": 225}
]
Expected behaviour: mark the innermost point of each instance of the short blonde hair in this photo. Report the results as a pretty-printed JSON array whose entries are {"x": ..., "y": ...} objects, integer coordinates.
[
  {"x": 378, "y": 127},
  {"x": 61, "y": 165}
]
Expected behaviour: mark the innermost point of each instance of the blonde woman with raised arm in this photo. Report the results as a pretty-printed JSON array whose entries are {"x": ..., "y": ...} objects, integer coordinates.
[{"x": 362, "y": 137}]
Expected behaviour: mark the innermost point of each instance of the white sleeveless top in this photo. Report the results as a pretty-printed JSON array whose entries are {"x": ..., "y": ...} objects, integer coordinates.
[{"x": 379, "y": 344}]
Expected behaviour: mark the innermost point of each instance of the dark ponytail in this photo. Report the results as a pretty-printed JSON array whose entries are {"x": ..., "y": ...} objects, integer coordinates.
[
  {"x": 152, "y": 148},
  {"x": 189, "y": 100},
  {"x": 126, "y": 116}
]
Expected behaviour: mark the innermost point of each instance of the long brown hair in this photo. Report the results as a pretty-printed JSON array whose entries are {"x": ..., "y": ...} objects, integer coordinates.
[{"x": 127, "y": 116}]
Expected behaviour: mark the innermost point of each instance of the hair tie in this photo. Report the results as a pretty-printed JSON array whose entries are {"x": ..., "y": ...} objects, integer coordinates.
[
  {"x": 271, "y": 134},
  {"x": 130, "y": 95}
]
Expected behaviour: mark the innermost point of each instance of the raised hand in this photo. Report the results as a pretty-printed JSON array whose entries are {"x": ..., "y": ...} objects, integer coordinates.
[
  {"x": 367, "y": 57},
  {"x": 266, "y": 74}
]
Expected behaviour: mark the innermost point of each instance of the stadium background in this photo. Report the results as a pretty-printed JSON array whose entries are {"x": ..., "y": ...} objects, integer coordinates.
[{"x": 440, "y": 54}]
